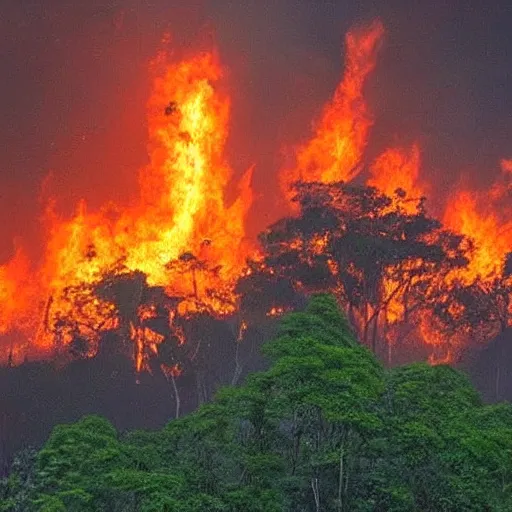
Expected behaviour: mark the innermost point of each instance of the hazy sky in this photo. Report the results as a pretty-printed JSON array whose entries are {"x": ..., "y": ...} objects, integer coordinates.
[{"x": 74, "y": 82}]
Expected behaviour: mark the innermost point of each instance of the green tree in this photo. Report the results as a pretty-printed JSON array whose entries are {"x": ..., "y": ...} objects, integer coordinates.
[
  {"x": 325, "y": 428},
  {"x": 426, "y": 457},
  {"x": 71, "y": 467}
]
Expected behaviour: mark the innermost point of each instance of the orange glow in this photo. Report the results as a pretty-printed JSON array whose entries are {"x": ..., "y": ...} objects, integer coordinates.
[
  {"x": 442, "y": 352},
  {"x": 180, "y": 233},
  {"x": 340, "y": 135},
  {"x": 171, "y": 371},
  {"x": 242, "y": 330},
  {"x": 276, "y": 311},
  {"x": 15, "y": 293},
  {"x": 506, "y": 166},
  {"x": 436, "y": 360},
  {"x": 474, "y": 215},
  {"x": 398, "y": 169}
]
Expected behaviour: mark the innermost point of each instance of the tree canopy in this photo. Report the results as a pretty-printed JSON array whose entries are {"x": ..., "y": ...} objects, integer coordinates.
[{"x": 325, "y": 428}]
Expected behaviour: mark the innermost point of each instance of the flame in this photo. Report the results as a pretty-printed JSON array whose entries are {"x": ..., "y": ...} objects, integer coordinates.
[
  {"x": 399, "y": 170},
  {"x": 486, "y": 218},
  {"x": 15, "y": 294},
  {"x": 180, "y": 233},
  {"x": 186, "y": 179},
  {"x": 186, "y": 239},
  {"x": 335, "y": 151},
  {"x": 472, "y": 214}
]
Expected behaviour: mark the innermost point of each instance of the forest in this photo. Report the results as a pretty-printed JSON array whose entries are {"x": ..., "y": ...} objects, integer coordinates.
[
  {"x": 398, "y": 276},
  {"x": 156, "y": 354},
  {"x": 325, "y": 428},
  {"x": 411, "y": 288}
]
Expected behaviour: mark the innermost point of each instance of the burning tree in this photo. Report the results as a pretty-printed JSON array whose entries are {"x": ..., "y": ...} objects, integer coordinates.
[
  {"x": 481, "y": 309},
  {"x": 385, "y": 266},
  {"x": 180, "y": 237},
  {"x": 399, "y": 274}
]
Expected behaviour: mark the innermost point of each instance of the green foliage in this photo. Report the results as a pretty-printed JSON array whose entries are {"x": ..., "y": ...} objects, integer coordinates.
[
  {"x": 324, "y": 428},
  {"x": 16, "y": 491},
  {"x": 321, "y": 320}
]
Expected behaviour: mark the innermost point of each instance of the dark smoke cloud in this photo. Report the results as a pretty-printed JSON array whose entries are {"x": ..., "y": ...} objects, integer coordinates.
[{"x": 75, "y": 82}]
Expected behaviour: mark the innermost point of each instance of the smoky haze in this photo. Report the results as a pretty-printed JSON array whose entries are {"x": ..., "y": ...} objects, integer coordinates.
[{"x": 75, "y": 82}]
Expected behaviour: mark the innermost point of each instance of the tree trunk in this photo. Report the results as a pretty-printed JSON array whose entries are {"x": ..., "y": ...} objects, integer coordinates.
[
  {"x": 497, "y": 383},
  {"x": 342, "y": 477},
  {"x": 201, "y": 388},
  {"x": 194, "y": 283},
  {"x": 339, "y": 506},
  {"x": 176, "y": 397},
  {"x": 390, "y": 353},
  {"x": 365, "y": 326},
  {"x": 374, "y": 332},
  {"x": 238, "y": 366},
  {"x": 316, "y": 493},
  {"x": 297, "y": 436}
]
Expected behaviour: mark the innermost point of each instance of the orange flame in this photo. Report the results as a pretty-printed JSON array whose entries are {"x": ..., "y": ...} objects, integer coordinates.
[
  {"x": 398, "y": 169},
  {"x": 473, "y": 215},
  {"x": 15, "y": 294},
  {"x": 181, "y": 233},
  {"x": 335, "y": 151}
]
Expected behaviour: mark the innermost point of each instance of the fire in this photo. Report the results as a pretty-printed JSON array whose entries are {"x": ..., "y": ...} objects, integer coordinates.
[
  {"x": 182, "y": 239},
  {"x": 399, "y": 170},
  {"x": 334, "y": 152},
  {"x": 180, "y": 233},
  {"x": 14, "y": 291},
  {"x": 186, "y": 179},
  {"x": 488, "y": 223}
]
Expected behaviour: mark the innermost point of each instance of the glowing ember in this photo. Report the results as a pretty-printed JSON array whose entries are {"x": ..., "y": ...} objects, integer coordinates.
[{"x": 276, "y": 311}]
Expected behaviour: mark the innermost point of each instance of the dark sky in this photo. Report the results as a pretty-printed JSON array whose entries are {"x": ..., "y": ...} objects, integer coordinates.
[{"x": 74, "y": 85}]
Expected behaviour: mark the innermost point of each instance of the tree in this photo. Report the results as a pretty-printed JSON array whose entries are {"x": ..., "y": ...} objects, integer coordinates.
[
  {"x": 324, "y": 428},
  {"x": 384, "y": 265},
  {"x": 16, "y": 491},
  {"x": 328, "y": 387},
  {"x": 429, "y": 458},
  {"x": 71, "y": 468},
  {"x": 479, "y": 310}
]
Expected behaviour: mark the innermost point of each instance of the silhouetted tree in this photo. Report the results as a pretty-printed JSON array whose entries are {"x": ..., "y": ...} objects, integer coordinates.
[{"x": 354, "y": 242}]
